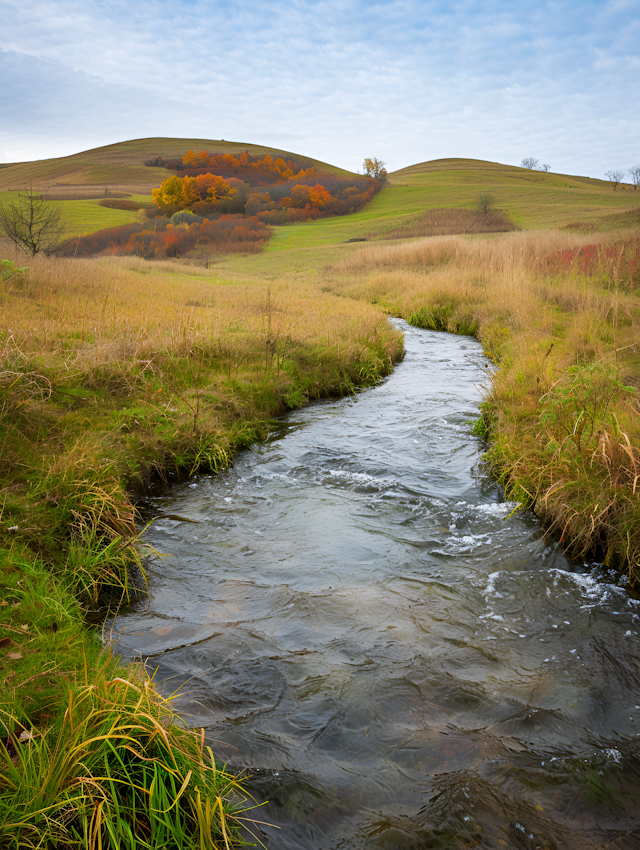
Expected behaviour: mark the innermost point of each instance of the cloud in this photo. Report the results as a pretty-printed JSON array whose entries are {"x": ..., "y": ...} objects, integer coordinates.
[{"x": 333, "y": 79}]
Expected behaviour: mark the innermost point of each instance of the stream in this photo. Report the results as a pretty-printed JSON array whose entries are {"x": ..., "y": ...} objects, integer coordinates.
[{"x": 398, "y": 658}]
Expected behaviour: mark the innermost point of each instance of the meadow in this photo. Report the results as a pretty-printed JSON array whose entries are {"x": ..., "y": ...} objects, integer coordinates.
[{"x": 117, "y": 372}]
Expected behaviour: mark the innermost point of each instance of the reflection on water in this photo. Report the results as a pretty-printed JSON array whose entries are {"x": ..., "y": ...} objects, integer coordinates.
[{"x": 399, "y": 660}]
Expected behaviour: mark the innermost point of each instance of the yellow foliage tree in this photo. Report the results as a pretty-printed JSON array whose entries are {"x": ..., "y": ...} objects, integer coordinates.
[
  {"x": 320, "y": 197},
  {"x": 169, "y": 194},
  {"x": 375, "y": 168},
  {"x": 176, "y": 193}
]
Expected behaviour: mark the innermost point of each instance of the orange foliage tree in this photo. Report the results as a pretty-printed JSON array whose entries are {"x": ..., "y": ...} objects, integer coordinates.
[{"x": 284, "y": 170}]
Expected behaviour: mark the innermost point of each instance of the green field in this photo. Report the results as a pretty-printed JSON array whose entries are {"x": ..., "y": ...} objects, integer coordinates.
[
  {"x": 531, "y": 199},
  {"x": 87, "y": 216}
]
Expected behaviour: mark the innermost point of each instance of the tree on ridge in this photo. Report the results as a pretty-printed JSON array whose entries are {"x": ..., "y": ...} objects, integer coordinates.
[
  {"x": 614, "y": 176},
  {"x": 375, "y": 168}
]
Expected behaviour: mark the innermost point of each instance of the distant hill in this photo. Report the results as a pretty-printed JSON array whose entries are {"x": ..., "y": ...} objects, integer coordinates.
[
  {"x": 121, "y": 168},
  {"x": 440, "y": 197},
  {"x": 499, "y": 169}
]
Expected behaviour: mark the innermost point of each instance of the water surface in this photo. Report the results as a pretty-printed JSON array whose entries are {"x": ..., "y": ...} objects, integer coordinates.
[{"x": 397, "y": 656}]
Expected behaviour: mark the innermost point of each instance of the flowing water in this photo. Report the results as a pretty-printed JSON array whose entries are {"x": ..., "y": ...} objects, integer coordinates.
[{"x": 399, "y": 658}]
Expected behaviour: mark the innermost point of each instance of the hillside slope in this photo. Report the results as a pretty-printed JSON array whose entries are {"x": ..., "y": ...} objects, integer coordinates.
[
  {"x": 121, "y": 167},
  {"x": 529, "y": 199}
]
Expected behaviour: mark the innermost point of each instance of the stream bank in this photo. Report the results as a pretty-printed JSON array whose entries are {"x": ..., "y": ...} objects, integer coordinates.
[{"x": 357, "y": 617}]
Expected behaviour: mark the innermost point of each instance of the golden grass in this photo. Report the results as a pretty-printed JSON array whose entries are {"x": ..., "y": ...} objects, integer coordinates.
[
  {"x": 85, "y": 313},
  {"x": 113, "y": 371}
]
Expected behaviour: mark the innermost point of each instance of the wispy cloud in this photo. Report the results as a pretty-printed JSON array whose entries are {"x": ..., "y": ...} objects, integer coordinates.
[{"x": 338, "y": 80}]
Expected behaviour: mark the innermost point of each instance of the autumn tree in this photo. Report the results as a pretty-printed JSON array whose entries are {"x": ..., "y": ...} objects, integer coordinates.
[
  {"x": 183, "y": 192},
  {"x": 320, "y": 197},
  {"x": 634, "y": 173},
  {"x": 190, "y": 159},
  {"x": 32, "y": 223},
  {"x": 299, "y": 196},
  {"x": 169, "y": 194},
  {"x": 258, "y": 202},
  {"x": 375, "y": 168},
  {"x": 212, "y": 187}
]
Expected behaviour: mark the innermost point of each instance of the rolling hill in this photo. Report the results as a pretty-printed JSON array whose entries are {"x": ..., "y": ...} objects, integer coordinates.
[
  {"x": 530, "y": 199},
  {"x": 121, "y": 167},
  {"x": 527, "y": 199}
]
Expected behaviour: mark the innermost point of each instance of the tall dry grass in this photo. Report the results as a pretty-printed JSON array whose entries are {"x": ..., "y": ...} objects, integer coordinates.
[
  {"x": 86, "y": 313},
  {"x": 138, "y": 368},
  {"x": 559, "y": 313},
  {"x": 111, "y": 372}
]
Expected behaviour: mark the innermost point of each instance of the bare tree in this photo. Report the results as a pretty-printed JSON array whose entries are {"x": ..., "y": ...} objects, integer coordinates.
[
  {"x": 529, "y": 162},
  {"x": 615, "y": 176},
  {"x": 634, "y": 172},
  {"x": 32, "y": 223},
  {"x": 375, "y": 168},
  {"x": 486, "y": 203},
  {"x": 545, "y": 167}
]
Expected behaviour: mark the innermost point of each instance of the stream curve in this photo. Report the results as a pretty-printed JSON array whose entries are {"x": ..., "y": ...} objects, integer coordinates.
[{"x": 398, "y": 658}]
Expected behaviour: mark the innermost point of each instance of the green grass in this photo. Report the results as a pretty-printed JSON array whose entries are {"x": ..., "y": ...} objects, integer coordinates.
[
  {"x": 531, "y": 199},
  {"x": 106, "y": 764},
  {"x": 86, "y": 216}
]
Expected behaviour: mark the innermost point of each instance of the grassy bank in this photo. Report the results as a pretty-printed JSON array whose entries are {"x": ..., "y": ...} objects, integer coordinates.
[
  {"x": 114, "y": 373},
  {"x": 559, "y": 314}
]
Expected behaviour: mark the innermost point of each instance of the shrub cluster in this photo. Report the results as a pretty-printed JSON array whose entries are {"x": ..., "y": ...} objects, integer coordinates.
[
  {"x": 272, "y": 165},
  {"x": 212, "y": 196},
  {"x": 600, "y": 261},
  {"x": 228, "y": 234}
]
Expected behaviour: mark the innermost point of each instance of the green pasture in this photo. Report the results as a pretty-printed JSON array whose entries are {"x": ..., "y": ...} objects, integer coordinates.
[
  {"x": 87, "y": 216},
  {"x": 532, "y": 199}
]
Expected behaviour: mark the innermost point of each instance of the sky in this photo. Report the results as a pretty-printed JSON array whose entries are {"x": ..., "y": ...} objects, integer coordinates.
[{"x": 336, "y": 80}]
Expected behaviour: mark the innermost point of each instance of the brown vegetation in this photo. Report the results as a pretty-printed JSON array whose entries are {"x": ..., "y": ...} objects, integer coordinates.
[
  {"x": 447, "y": 222},
  {"x": 615, "y": 221},
  {"x": 84, "y": 195}
]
